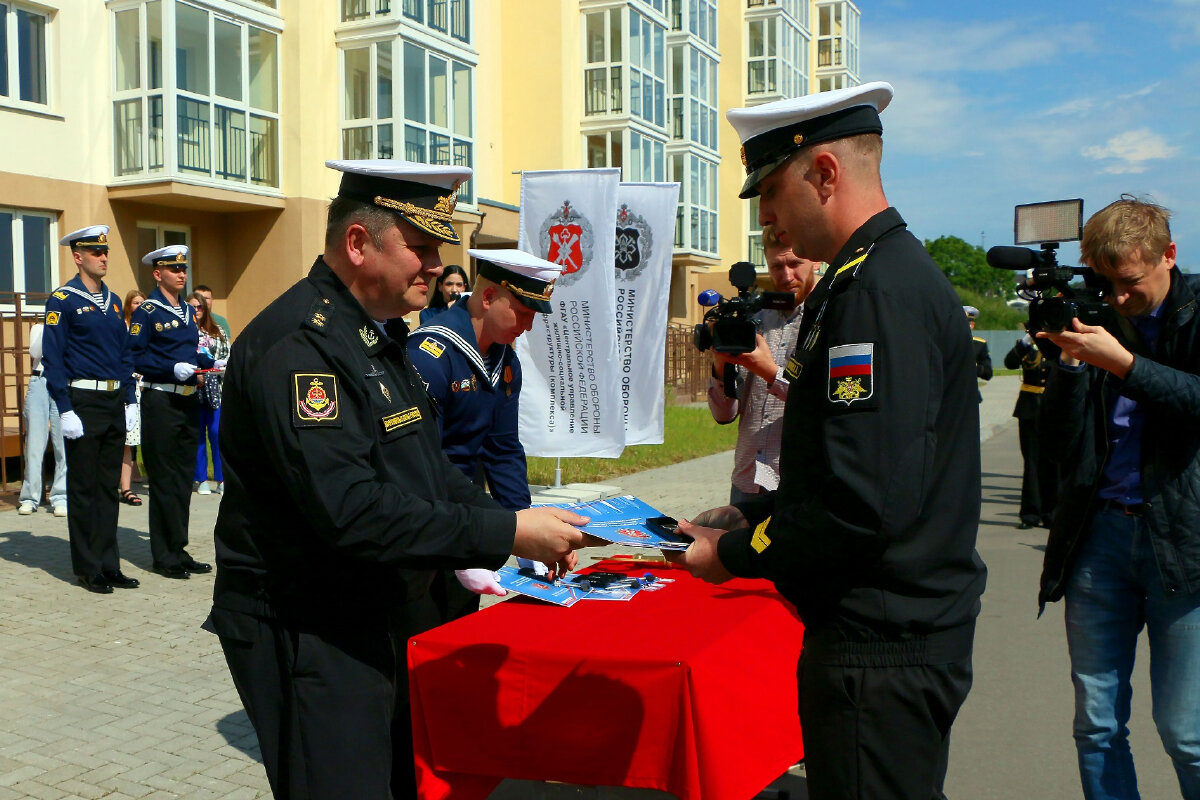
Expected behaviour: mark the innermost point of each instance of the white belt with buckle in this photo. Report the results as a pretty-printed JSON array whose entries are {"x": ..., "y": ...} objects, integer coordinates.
[
  {"x": 174, "y": 388},
  {"x": 97, "y": 386}
]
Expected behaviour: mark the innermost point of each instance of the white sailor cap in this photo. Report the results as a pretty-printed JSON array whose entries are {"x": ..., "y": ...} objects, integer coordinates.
[
  {"x": 770, "y": 133},
  {"x": 424, "y": 195},
  {"x": 173, "y": 255},
  {"x": 529, "y": 278},
  {"x": 971, "y": 311},
  {"x": 91, "y": 236}
]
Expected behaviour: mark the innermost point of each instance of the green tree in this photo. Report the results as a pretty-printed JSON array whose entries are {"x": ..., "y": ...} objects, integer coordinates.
[{"x": 966, "y": 266}]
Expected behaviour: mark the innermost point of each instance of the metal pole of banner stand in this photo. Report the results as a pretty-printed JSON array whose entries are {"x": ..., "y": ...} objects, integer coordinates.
[{"x": 558, "y": 472}]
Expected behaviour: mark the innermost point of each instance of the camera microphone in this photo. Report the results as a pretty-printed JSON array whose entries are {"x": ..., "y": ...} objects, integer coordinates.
[
  {"x": 709, "y": 297},
  {"x": 1016, "y": 258}
]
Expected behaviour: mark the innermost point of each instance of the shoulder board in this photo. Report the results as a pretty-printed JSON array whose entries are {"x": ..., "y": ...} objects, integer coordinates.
[
  {"x": 978, "y": 339},
  {"x": 147, "y": 307},
  {"x": 433, "y": 347},
  {"x": 319, "y": 315}
]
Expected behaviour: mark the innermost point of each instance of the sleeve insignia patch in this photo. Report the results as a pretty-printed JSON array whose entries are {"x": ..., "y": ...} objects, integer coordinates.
[
  {"x": 51, "y": 317},
  {"x": 433, "y": 347},
  {"x": 400, "y": 419},
  {"x": 61, "y": 295},
  {"x": 135, "y": 329},
  {"x": 794, "y": 367},
  {"x": 315, "y": 400},
  {"x": 850, "y": 372},
  {"x": 760, "y": 541}
]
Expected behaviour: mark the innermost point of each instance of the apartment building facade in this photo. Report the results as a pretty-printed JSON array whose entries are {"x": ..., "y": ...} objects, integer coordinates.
[{"x": 207, "y": 122}]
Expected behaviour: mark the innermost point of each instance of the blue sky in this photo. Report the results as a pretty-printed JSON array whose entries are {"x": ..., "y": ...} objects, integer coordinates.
[{"x": 1013, "y": 102}]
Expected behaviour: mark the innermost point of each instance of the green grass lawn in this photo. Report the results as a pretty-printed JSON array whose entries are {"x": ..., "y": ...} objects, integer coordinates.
[{"x": 689, "y": 432}]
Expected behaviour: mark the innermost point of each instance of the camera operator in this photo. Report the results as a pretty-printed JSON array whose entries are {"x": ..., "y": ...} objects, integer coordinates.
[
  {"x": 1124, "y": 549},
  {"x": 871, "y": 533},
  {"x": 762, "y": 386}
]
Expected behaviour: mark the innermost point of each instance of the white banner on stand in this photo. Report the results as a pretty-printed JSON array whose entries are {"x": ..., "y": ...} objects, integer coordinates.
[
  {"x": 645, "y": 242},
  {"x": 570, "y": 393}
]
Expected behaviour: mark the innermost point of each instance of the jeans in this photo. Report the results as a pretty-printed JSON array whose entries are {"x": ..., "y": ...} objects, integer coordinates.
[
  {"x": 1114, "y": 592},
  {"x": 41, "y": 424},
  {"x": 210, "y": 422}
]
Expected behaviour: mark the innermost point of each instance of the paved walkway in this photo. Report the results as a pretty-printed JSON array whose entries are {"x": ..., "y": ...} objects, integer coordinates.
[{"x": 123, "y": 696}]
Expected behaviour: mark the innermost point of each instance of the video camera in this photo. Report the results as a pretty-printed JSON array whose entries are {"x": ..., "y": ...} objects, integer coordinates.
[
  {"x": 728, "y": 326},
  {"x": 1053, "y": 299}
]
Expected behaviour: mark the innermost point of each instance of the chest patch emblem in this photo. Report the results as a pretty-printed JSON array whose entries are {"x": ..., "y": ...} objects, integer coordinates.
[
  {"x": 851, "y": 368},
  {"x": 433, "y": 347},
  {"x": 315, "y": 399}
]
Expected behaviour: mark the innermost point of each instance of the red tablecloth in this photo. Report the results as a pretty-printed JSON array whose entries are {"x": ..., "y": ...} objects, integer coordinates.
[{"x": 689, "y": 690}]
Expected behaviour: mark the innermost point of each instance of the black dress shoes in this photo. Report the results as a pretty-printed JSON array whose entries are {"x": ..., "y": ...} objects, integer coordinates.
[
  {"x": 120, "y": 580},
  {"x": 96, "y": 583},
  {"x": 178, "y": 572},
  {"x": 199, "y": 567}
]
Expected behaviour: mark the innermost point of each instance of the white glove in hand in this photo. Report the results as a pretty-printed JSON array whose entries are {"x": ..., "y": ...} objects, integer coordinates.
[
  {"x": 131, "y": 417},
  {"x": 72, "y": 425},
  {"x": 184, "y": 371},
  {"x": 1027, "y": 340},
  {"x": 480, "y": 581},
  {"x": 220, "y": 363}
]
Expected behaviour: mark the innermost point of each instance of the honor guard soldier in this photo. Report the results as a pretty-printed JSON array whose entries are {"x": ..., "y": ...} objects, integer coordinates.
[
  {"x": 1039, "y": 482},
  {"x": 164, "y": 341},
  {"x": 89, "y": 375},
  {"x": 983, "y": 360},
  {"x": 466, "y": 359},
  {"x": 871, "y": 533},
  {"x": 339, "y": 502}
]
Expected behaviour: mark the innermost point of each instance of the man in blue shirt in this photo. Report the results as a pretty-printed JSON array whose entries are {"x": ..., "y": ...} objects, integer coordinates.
[
  {"x": 89, "y": 375},
  {"x": 466, "y": 359},
  {"x": 1121, "y": 416},
  {"x": 165, "y": 343}
]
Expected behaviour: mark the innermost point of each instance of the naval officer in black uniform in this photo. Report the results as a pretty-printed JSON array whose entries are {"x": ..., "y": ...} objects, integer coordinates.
[
  {"x": 871, "y": 533},
  {"x": 89, "y": 375},
  {"x": 466, "y": 359},
  {"x": 339, "y": 502},
  {"x": 165, "y": 343},
  {"x": 983, "y": 359},
  {"x": 1039, "y": 481}
]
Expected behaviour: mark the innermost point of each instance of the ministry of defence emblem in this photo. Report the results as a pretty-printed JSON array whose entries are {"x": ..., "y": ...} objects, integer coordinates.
[
  {"x": 850, "y": 372},
  {"x": 567, "y": 239},
  {"x": 634, "y": 243}
]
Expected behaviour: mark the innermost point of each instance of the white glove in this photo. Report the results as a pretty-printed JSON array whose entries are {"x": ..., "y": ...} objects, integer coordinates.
[
  {"x": 72, "y": 425},
  {"x": 480, "y": 581},
  {"x": 220, "y": 363},
  {"x": 1027, "y": 340},
  {"x": 184, "y": 371},
  {"x": 131, "y": 417}
]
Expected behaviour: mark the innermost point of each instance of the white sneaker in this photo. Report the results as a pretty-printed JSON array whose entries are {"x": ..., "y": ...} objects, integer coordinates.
[
  {"x": 60, "y": 511},
  {"x": 203, "y": 488},
  {"x": 221, "y": 487},
  {"x": 26, "y": 508}
]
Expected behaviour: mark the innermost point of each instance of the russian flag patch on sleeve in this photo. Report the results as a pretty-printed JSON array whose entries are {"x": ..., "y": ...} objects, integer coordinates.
[{"x": 850, "y": 370}]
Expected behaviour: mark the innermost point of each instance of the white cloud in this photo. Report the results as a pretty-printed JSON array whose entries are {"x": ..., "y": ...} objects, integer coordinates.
[{"x": 1131, "y": 150}]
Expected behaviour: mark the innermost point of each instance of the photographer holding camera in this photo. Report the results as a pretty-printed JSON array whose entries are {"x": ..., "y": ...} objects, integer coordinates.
[
  {"x": 1124, "y": 549},
  {"x": 762, "y": 386}
]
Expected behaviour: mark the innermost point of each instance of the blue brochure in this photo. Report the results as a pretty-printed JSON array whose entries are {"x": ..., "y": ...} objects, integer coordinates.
[
  {"x": 622, "y": 520},
  {"x": 514, "y": 580}
]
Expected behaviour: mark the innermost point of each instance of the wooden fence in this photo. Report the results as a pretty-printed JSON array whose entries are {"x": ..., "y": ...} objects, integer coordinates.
[
  {"x": 18, "y": 313},
  {"x": 687, "y": 368}
]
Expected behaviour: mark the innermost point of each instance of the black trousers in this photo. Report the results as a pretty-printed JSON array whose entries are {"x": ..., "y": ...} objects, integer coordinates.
[
  {"x": 1039, "y": 481},
  {"x": 170, "y": 435},
  {"x": 329, "y": 704},
  {"x": 93, "y": 472},
  {"x": 879, "y": 733}
]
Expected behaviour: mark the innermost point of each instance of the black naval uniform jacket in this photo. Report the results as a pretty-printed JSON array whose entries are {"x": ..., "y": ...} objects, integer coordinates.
[
  {"x": 1074, "y": 422},
  {"x": 338, "y": 499},
  {"x": 871, "y": 533},
  {"x": 1034, "y": 369}
]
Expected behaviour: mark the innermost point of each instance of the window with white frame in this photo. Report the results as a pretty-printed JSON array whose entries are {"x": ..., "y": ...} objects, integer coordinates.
[
  {"x": 24, "y": 63},
  {"x": 27, "y": 250},
  {"x": 754, "y": 244},
  {"x": 602, "y": 74},
  {"x": 426, "y": 116},
  {"x": 215, "y": 94},
  {"x": 777, "y": 56},
  {"x": 702, "y": 20},
  {"x": 354, "y": 10},
  {"x": 830, "y": 82},
  {"x": 647, "y": 69},
  {"x": 604, "y": 149},
  {"x": 693, "y": 106},
  {"x": 837, "y": 36},
  {"x": 696, "y": 222},
  {"x": 647, "y": 158},
  {"x": 762, "y": 68}
]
